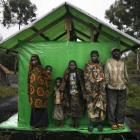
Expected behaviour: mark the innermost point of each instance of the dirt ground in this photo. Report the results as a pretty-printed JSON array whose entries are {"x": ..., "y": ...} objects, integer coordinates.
[{"x": 9, "y": 106}]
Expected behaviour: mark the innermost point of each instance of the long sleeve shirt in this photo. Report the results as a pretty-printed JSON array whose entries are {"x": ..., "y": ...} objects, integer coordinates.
[{"x": 116, "y": 74}]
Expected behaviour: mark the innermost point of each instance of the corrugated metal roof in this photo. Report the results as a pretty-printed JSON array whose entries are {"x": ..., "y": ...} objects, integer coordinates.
[{"x": 51, "y": 27}]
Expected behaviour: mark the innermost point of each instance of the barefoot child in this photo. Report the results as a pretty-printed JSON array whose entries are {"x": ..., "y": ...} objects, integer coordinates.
[
  {"x": 48, "y": 69},
  {"x": 74, "y": 89},
  {"x": 58, "y": 113}
]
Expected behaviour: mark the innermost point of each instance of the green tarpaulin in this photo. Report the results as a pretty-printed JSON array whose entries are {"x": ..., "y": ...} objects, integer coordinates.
[{"x": 58, "y": 55}]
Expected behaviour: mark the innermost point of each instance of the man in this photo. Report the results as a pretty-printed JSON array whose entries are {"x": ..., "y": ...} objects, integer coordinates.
[{"x": 116, "y": 80}]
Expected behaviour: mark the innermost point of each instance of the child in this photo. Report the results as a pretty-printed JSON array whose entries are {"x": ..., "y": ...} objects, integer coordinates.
[
  {"x": 58, "y": 112},
  {"x": 74, "y": 89},
  {"x": 39, "y": 82},
  {"x": 96, "y": 94},
  {"x": 48, "y": 69}
]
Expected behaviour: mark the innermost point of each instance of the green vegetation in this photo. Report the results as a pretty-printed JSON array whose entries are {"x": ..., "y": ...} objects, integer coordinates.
[
  {"x": 7, "y": 91},
  {"x": 5, "y": 137},
  {"x": 125, "y": 15},
  {"x": 133, "y": 95},
  {"x": 129, "y": 112},
  {"x": 39, "y": 134},
  {"x": 135, "y": 124}
]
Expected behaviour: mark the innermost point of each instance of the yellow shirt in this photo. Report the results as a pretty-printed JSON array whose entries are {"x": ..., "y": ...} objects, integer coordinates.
[{"x": 116, "y": 74}]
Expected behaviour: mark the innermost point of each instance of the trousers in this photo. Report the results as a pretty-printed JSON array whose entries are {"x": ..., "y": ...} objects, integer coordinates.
[{"x": 116, "y": 106}]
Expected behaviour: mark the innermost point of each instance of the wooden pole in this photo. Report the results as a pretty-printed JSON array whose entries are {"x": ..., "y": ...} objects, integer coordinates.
[
  {"x": 68, "y": 25},
  {"x": 91, "y": 33}
]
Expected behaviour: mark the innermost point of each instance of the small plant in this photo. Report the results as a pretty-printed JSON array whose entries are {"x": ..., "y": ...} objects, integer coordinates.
[
  {"x": 129, "y": 112},
  {"x": 107, "y": 138},
  {"x": 137, "y": 125},
  {"x": 6, "y": 117},
  {"x": 5, "y": 137},
  {"x": 86, "y": 134},
  {"x": 40, "y": 134},
  {"x": 100, "y": 137},
  {"x": 8, "y": 91}
]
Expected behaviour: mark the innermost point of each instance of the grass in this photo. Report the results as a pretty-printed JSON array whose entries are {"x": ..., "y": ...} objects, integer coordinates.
[
  {"x": 129, "y": 112},
  {"x": 7, "y": 91},
  {"x": 12, "y": 72},
  {"x": 135, "y": 124}
]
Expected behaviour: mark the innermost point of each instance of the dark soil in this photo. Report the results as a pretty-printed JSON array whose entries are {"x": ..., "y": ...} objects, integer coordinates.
[
  {"x": 135, "y": 79},
  {"x": 9, "y": 106}
]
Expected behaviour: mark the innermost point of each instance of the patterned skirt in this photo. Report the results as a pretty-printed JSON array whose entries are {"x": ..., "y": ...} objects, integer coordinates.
[
  {"x": 76, "y": 107},
  {"x": 58, "y": 112}
]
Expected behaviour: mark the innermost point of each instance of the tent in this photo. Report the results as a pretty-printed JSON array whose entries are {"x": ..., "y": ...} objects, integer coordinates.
[{"x": 55, "y": 38}]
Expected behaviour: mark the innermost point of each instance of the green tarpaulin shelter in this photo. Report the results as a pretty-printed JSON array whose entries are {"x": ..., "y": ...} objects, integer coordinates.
[{"x": 54, "y": 37}]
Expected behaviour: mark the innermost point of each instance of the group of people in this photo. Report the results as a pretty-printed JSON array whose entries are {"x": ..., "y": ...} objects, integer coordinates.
[{"x": 101, "y": 89}]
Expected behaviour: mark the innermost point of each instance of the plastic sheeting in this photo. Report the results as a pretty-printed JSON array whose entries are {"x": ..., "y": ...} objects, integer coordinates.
[
  {"x": 58, "y": 55},
  {"x": 12, "y": 123}
]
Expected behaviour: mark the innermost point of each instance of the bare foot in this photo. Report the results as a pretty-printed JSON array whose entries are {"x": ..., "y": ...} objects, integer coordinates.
[
  {"x": 76, "y": 126},
  {"x": 72, "y": 125},
  {"x": 57, "y": 124},
  {"x": 61, "y": 124},
  {"x": 33, "y": 127}
]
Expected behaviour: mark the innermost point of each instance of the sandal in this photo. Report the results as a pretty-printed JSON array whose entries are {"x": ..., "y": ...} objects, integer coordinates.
[
  {"x": 120, "y": 126},
  {"x": 114, "y": 127},
  {"x": 90, "y": 128},
  {"x": 100, "y": 127}
]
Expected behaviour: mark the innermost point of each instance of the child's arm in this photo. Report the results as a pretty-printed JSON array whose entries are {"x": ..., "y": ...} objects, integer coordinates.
[{"x": 48, "y": 78}]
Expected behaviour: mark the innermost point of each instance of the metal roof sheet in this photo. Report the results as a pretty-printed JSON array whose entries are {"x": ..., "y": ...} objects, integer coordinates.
[{"x": 51, "y": 27}]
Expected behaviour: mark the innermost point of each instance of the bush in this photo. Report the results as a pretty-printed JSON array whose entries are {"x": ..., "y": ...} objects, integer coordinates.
[
  {"x": 133, "y": 95},
  {"x": 7, "y": 91}
]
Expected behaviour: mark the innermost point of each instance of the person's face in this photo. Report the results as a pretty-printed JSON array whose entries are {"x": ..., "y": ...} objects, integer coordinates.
[
  {"x": 72, "y": 66},
  {"x": 116, "y": 53},
  {"x": 58, "y": 82},
  {"x": 94, "y": 57},
  {"x": 34, "y": 61},
  {"x": 49, "y": 70}
]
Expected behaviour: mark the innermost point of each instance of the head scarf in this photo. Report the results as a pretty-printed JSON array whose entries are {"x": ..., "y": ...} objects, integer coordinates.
[{"x": 38, "y": 59}]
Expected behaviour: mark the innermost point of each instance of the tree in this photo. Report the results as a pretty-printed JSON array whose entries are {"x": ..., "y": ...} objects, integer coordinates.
[
  {"x": 20, "y": 12},
  {"x": 125, "y": 15}
]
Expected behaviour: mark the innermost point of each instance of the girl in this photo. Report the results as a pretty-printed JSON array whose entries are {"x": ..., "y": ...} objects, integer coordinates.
[
  {"x": 73, "y": 88},
  {"x": 58, "y": 112},
  {"x": 95, "y": 89},
  {"x": 39, "y": 82}
]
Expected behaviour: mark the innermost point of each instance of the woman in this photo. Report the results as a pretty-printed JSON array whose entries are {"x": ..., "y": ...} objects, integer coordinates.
[
  {"x": 73, "y": 88},
  {"x": 39, "y": 82},
  {"x": 95, "y": 89}
]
